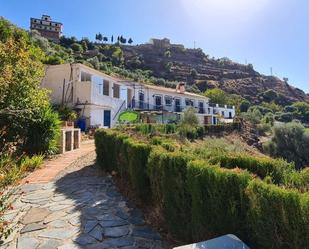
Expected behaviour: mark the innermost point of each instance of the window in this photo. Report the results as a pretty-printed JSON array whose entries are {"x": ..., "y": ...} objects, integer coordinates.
[
  {"x": 85, "y": 76},
  {"x": 106, "y": 87},
  {"x": 116, "y": 91},
  {"x": 189, "y": 102},
  {"x": 209, "y": 111},
  {"x": 222, "y": 112},
  {"x": 158, "y": 102},
  {"x": 230, "y": 114},
  {"x": 168, "y": 100},
  {"x": 177, "y": 105},
  {"x": 201, "y": 107},
  {"x": 141, "y": 99},
  {"x": 98, "y": 81}
]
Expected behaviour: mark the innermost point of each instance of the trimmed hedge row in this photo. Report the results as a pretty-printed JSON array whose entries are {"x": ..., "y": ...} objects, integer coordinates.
[
  {"x": 277, "y": 169},
  {"x": 120, "y": 153},
  {"x": 200, "y": 201}
]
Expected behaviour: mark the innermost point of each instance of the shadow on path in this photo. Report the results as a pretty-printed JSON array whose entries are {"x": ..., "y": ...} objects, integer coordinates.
[
  {"x": 81, "y": 209},
  {"x": 100, "y": 214}
]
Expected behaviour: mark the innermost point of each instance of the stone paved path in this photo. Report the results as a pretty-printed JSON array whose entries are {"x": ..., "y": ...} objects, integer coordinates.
[{"x": 82, "y": 208}]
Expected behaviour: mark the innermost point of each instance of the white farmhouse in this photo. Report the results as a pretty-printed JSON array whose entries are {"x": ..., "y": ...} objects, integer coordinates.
[{"x": 100, "y": 98}]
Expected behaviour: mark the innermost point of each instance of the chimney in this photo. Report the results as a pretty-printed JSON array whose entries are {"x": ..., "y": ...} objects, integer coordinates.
[{"x": 181, "y": 88}]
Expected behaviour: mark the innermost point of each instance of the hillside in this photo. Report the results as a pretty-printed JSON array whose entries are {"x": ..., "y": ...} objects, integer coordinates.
[
  {"x": 163, "y": 63},
  {"x": 176, "y": 63}
]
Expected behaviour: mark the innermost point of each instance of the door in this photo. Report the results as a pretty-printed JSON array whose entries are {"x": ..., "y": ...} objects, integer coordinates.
[
  {"x": 107, "y": 118},
  {"x": 177, "y": 105}
]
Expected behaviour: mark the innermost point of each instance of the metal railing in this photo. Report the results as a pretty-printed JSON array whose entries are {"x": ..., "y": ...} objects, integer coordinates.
[{"x": 141, "y": 105}]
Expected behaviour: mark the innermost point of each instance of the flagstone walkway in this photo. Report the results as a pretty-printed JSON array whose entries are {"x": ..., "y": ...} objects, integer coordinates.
[{"x": 80, "y": 208}]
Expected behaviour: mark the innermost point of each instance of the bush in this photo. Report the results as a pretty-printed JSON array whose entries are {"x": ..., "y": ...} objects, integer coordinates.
[
  {"x": 261, "y": 166},
  {"x": 290, "y": 141},
  {"x": 43, "y": 133},
  {"x": 137, "y": 161},
  {"x": 218, "y": 199},
  {"x": 76, "y": 47},
  {"x": 167, "y": 174},
  {"x": 200, "y": 201},
  {"x": 277, "y": 218}
]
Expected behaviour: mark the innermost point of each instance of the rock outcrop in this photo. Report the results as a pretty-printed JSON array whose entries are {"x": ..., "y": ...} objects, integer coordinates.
[{"x": 176, "y": 63}]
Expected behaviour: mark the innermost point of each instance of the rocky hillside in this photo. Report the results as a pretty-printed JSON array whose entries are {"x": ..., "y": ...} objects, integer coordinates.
[{"x": 196, "y": 68}]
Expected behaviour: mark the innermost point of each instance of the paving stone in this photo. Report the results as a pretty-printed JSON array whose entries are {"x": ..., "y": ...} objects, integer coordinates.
[
  {"x": 32, "y": 227},
  {"x": 113, "y": 193},
  {"x": 54, "y": 216},
  {"x": 90, "y": 224},
  {"x": 35, "y": 215},
  {"x": 75, "y": 221},
  {"x": 85, "y": 239},
  {"x": 27, "y": 243},
  {"x": 59, "y": 207},
  {"x": 97, "y": 233},
  {"x": 145, "y": 232},
  {"x": 58, "y": 223},
  {"x": 136, "y": 221},
  {"x": 50, "y": 244},
  {"x": 59, "y": 233},
  {"x": 100, "y": 245},
  {"x": 115, "y": 232},
  {"x": 30, "y": 187},
  {"x": 113, "y": 223},
  {"x": 70, "y": 246},
  {"x": 120, "y": 242},
  {"x": 122, "y": 214},
  {"x": 107, "y": 217}
]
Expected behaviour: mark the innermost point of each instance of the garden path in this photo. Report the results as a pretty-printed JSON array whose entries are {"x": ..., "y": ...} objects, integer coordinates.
[{"x": 79, "y": 208}]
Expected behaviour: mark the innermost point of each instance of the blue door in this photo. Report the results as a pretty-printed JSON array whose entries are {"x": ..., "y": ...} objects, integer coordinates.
[{"x": 107, "y": 118}]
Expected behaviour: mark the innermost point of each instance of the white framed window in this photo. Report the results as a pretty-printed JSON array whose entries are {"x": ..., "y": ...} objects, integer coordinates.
[
  {"x": 189, "y": 102},
  {"x": 168, "y": 100}
]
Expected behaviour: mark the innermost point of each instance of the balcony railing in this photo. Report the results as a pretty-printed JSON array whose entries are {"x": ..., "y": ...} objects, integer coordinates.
[{"x": 141, "y": 105}]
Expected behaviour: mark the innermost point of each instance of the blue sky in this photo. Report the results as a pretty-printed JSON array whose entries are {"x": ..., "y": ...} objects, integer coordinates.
[{"x": 266, "y": 33}]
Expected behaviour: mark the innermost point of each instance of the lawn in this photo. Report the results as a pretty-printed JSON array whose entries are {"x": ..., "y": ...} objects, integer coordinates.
[{"x": 128, "y": 116}]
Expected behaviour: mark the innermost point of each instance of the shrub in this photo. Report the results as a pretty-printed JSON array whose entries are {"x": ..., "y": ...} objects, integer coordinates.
[
  {"x": 137, "y": 160},
  {"x": 31, "y": 163},
  {"x": 291, "y": 142},
  {"x": 23, "y": 103},
  {"x": 279, "y": 213},
  {"x": 261, "y": 166},
  {"x": 200, "y": 201},
  {"x": 167, "y": 174},
  {"x": 76, "y": 47},
  {"x": 244, "y": 106},
  {"x": 216, "y": 95},
  {"x": 43, "y": 133},
  {"x": 218, "y": 199}
]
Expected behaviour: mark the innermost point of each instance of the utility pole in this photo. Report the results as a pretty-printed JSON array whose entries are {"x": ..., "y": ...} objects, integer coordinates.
[
  {"x": 271, "y": 71},
  {"x": 194, "y": 44}
]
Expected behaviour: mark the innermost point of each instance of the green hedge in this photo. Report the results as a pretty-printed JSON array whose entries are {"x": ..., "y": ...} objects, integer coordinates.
[
  {"x": 167, "y": 173},
  {"x": 219, "y": 204},
  {"x": 118, "y": 152},
  {"x": 277, "y": 218},
  {"x": 200, "y": 201},
  {"x": 277, "y": 169}
]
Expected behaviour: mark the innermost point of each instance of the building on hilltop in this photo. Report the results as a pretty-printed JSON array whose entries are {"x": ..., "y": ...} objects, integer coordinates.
[
  {"x": 164, "y": 44},
  {"x": 46, "y": 27},
  {"x": 100, "y": 98}
]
